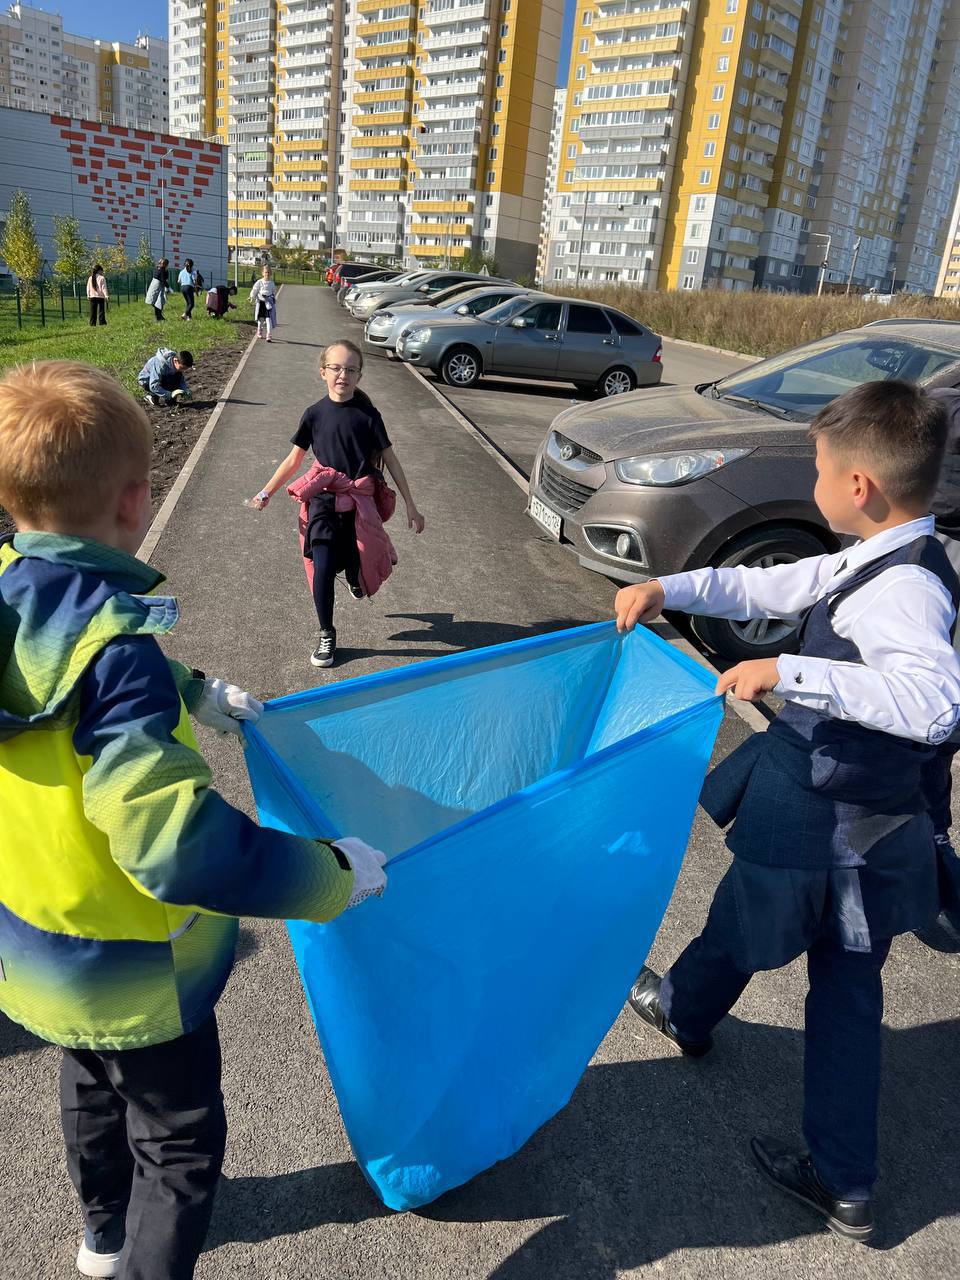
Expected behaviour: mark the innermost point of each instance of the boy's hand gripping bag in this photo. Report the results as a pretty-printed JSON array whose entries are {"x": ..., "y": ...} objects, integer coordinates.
[{"x": 535, "y": 800}]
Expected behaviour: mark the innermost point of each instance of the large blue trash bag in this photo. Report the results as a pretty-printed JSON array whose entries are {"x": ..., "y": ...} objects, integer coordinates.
[{"x": 535, "y": 800}]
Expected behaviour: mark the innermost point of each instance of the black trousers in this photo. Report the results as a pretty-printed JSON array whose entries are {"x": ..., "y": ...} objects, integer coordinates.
[
  {"x": 158, "y": 312},
  {"x": 189, "y": 297},
  {"x": 145, "y": 1132},
  {"x": 98, "y": 310},
  {"x": 330, "y": 554},
  {"x": 841, "y": 1062}
]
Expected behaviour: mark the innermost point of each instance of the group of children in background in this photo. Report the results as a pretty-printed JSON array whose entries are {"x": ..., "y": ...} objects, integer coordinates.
[{"x": 118, "y": 902}]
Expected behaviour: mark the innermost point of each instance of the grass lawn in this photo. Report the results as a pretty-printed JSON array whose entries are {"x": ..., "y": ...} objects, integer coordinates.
[{"x": 130, "y": 336}]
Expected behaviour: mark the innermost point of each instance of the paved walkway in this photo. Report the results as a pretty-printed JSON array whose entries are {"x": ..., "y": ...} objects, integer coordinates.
[{"x": 646, "y": 1170}]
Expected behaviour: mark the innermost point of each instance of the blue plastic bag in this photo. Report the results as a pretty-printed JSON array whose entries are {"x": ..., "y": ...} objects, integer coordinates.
[{"x": 535, "y": 800}]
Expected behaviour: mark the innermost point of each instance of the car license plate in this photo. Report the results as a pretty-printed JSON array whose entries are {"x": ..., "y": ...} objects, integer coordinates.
[{"x": 545, "y": 517}]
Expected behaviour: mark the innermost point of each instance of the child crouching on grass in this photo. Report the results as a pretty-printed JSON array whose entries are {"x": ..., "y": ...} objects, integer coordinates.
[
  {"x": 122, "y": 873},
  {"x": 832, "y": 840},
  {"x": 161, "y": 378}
]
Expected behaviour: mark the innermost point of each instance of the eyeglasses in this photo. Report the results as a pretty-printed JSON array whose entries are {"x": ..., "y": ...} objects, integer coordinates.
[{"x": 336, "y": 369}]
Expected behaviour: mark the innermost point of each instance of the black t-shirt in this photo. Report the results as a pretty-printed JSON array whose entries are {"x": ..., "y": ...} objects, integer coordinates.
[{"x": 348, "y": 437}]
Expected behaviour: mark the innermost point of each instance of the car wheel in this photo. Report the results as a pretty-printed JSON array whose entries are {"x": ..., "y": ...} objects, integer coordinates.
[
  {"x": 757, "y": 637},
  {"x": 460, "y": 367},
  {"x": 616, "y": 381}
]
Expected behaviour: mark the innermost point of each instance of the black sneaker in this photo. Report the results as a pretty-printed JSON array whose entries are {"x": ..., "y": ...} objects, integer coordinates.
[
  {"x": 644, "y": 1000},
  {"x": 793, "y": 1173},
  {"x": 326, "y": 649},
  {"x": 355, "y": 589}
]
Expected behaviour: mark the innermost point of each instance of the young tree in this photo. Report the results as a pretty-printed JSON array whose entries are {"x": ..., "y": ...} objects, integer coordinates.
[
  {"x": 21, "y": 249},
  {"x": 116, "y": 259},
  {"x": 144, "y": 260},
  {"x": 72, "y": 252},
  {"x": 280, "y": 249}
]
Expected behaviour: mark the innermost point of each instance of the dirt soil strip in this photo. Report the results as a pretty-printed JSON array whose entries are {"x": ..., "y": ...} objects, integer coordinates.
[{"x": 176, "y": 431}]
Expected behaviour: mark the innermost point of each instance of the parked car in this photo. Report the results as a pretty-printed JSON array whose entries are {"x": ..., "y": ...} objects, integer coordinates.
[
  {"x": 556, "y": 339},
  {"x": 394, "y": 292},
  {"x": 721, "y": 473},
  {"x": 463, "y": 299},
  {"x": 344, "y": 286},
  {"x": 360, "y": 288},
  {"x": 345, "y": 271}
]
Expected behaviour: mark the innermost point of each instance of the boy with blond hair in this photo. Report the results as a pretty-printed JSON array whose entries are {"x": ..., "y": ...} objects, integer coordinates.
[
  {"x": 122, "y": 873},
  {"x": 833, "y": 851}
]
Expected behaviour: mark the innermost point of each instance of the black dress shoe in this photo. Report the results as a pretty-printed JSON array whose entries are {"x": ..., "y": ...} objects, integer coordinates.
[
  {"x": 645, "y": 1002},
  {"x": 793, "y": 1172}
]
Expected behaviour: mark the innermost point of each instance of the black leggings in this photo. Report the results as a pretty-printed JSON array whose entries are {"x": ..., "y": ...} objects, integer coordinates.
[
  {"x": 329, "y": 556},
  {"x": 189, "y": 297},
  {"x": 158, "y": 312}
]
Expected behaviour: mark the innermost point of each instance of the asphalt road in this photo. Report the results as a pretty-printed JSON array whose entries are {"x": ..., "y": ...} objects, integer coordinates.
[{"x": 646, "y": 1171}]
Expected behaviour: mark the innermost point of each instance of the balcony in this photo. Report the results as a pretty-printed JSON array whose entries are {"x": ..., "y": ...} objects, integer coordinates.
[
  {"x": 454, "y": 89},
  {"x": 601, "y": 132},
  {"x": 457, "y": 39},
  {"x": 450, "y": 136},
  {"x": 315, "y": 105},
  {"x": 299, "y": 14},
  {"x": 432, "y": 114},
  {"x": 434, "y": 20},
  {"x": 443, "y": 161},
  {"x": 315, "y": 58},
  {"x": 313, "y": 85},
  {"x": 445, "y": 66},
  {"x": 254, "y": 42},
  {"x": 302, "y": 39},
  {"x": 394, "y": 49}
]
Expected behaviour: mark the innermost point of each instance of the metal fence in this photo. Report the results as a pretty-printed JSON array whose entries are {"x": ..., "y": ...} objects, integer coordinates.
[{"x": 55, "y": 302}]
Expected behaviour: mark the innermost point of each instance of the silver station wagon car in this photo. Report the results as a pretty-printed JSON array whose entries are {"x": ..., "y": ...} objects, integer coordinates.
[
  {"x": 463, "y": 299},
  {"x": 598, "y": 349}
]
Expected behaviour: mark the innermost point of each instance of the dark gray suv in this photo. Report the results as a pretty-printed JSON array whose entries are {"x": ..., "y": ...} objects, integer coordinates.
[{"x": 721, "y": 473}]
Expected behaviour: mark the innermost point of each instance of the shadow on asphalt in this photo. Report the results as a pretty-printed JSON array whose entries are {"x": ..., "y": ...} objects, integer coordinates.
[
  {"x": 443, "y": 628},
  {"x": 649, "y": 1158},
  {"x": 14, "y": 1039},
  {"x": 640, "y": 1164}
]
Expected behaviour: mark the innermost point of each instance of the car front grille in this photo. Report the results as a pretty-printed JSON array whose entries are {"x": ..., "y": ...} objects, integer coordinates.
[
  {"x": 561, "y": 490},
  {"x": 585, "y": 455}
]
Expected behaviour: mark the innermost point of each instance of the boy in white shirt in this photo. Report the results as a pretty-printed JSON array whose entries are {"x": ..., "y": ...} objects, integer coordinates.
[{"x": 832, "y": 842}]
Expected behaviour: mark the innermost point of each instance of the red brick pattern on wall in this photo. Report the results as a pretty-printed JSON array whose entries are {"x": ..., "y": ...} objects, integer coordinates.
[{"x": 121, "y": 171}]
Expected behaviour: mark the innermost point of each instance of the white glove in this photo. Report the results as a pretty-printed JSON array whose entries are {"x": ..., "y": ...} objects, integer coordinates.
[
  {"x": 222, "y": 706},
  {"x": 369, "y": 877},
  {"x": 181, "y": 393}
]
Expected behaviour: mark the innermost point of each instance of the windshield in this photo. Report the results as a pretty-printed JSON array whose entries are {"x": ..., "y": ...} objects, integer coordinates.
[
  {"x": 507, "y": 309},
  {"x": 802, "y": 382},
  {"x": 409, "y": 278}
]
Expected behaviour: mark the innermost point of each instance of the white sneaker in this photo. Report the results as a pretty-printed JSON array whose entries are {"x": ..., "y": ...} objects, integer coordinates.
[{"x": 90, "y": 1263}]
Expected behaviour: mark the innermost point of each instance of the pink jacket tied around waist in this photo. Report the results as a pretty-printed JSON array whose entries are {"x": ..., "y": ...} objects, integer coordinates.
[{"x": 377, "y": 554}]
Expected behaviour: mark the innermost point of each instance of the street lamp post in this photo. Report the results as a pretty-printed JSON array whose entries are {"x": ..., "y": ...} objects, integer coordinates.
[
  {"x": 163, "y": 222},
  {"x": 819, "y": 235},
  {"x": 583, "y": 227}
]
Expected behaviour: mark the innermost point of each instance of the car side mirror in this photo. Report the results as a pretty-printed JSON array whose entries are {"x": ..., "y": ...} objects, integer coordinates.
[
  {"x": 518, "y": 322},
  {"x": 423, "y": 288},
  {"x": 462, "y": 310}
]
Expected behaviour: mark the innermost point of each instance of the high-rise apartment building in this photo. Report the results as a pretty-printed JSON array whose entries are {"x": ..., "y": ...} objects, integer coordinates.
[
  {"x": 741, "y": 143},
  {"x": 550, "y": 191},
  {"x": 44, "y": 68},
  {"x": 411, "y": 131},
  {"x": 948, "y": 281}
]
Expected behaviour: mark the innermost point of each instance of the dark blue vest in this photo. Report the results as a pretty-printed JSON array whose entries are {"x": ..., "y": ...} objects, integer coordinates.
[{"x": 815, "y": 791}]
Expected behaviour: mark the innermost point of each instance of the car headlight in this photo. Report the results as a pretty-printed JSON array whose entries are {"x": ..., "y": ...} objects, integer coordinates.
[
  {"x": 417, "y": 335},
  {"x": 383, "y": 315},
  {"x": 661, "y": 470}
]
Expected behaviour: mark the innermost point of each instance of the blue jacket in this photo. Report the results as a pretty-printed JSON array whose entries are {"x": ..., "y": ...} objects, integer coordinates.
[{"x": 159, "y": 377}]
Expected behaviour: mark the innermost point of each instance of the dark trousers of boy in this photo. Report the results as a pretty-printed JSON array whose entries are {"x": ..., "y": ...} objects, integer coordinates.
[
  {"x": 331, "y": 537},
  {"x": 145, "y": 1132},
  {"x": 842, "y": 1016},
  {"x": 189, "y": 297},
  {"x": 98, "y": 311}
]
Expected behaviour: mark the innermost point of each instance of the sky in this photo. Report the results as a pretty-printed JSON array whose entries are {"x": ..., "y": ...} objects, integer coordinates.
[
  {"x": 109, "y": 19},
  {"x": 113, "y": 20}
]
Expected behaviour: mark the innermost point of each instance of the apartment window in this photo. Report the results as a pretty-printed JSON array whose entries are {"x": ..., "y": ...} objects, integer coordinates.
[
  {"x": 491, "y": 177},
  {"x": 723, "y": 62},
  {"x": 710, "y": 149},
  {"x": 581, "y": 72},
  {"x": 726, "y": 35},
  {"x": 588, "y": 18},
  {"x": 568, "y": 175},
  {"x": 699, "y": 204},
  {"x": 500, "y": 80},
  {"x": 705, "y": 176},
  {"x": 584, "y": 44},
  {"x": 718, "y": 91},
  {"x": 502, "y": 55},
  {"x": 693, "y": 256},
  {"x": 689, "y": 282},
  {"x": 572, "y": 151},
  {"x": 757, "y": 9},
  {"x": 504, "y": 27},
  {"x": 743, "y": 97},
  {"x": 495, "y": 131},
  {"x": 696, "y": 230},
  {"x": 732, "y": 6},
  {"x": 558, "y": 273},
  {"x": 753, "y": 40},
  {"x": 713, "y": 120}
]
